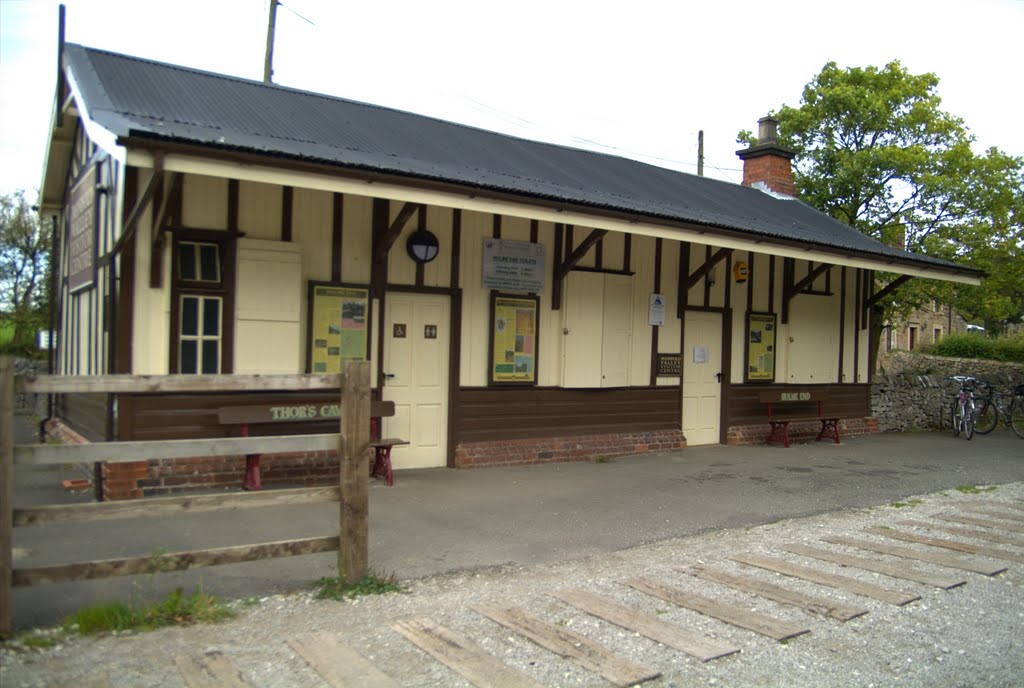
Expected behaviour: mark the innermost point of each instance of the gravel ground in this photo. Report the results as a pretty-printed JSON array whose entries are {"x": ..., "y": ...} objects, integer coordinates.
[{"x": 972, "y": 635}]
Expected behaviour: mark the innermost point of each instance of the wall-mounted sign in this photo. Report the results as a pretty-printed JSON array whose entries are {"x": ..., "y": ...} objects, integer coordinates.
[
  {"x": 514, "y": 340},
  {"x": 82, "y": 232},
  {"x": 656, "y": 313},
  {"x": 700, "y": 354},
  {"x": 398, "y": 331},
  {"x": 670, "y": 365},
  {"x": 339, "y": 326},
  {"x": 430, "y": 331},
  {"x": 513, "y": 266},
  {"x": 761, "y": 347}
]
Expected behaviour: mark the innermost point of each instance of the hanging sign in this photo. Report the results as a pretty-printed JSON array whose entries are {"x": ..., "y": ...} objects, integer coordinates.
[
  {"x": 82, "y": 232},
  {"x": 513, "y": 266}
]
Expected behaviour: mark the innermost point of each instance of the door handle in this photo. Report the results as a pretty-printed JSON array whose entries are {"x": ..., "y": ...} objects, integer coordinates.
[
  {"x": 388, "y": 376},
  {"x": 719, "y": 376}
]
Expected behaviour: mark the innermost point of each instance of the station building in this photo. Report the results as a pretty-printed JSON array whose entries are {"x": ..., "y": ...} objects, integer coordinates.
[{"x": 519, "y": 301}]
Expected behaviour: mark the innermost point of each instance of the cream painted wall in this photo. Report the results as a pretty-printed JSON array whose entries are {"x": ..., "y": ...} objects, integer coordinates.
[
  {"x": 204, "y": 202},
  {"x": 151, "y": 308},
  {"x": 476, "y": 303},
  {"x": 259, "y": 210},
  {"x": 356, "y": 247},
  {"x": 642, "y": 259}
]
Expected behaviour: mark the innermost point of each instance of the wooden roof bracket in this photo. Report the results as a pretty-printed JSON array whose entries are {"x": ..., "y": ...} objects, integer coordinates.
[
  {"x": 155, "y": 181},
  {"x": 570, "y": 261},
  {"x": 881, "y": 294},
  {"x": 386, "y": 240},
  {"x": 707, "y": 267},
  {"x": 157, "y": 239},
  {"x": 790, "y": 287}
]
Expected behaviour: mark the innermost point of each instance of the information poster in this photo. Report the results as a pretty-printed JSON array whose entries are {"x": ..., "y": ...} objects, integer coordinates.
[
  {"x": 513, "y": 265},
  {"x": 761, "y": 347},
  {"x": 514, "y": 340},
  {"x": 339, "y": 328}
]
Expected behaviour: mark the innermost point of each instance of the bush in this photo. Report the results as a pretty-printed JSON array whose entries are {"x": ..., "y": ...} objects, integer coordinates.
[{"x": 980, "y": 346}]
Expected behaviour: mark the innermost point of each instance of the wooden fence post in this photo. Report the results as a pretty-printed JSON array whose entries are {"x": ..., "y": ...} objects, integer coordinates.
[
  {"x": 6, "y": 490},
  {"x": 354, "y": 472}
]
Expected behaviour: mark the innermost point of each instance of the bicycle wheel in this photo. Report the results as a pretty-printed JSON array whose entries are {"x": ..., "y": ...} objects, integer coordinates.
[
  {"x": 956, "y": 417},
  {"x": 1017, "y": 416},
  {"x": 986, "y": 417},
  {"x": 969, "y": 418}
]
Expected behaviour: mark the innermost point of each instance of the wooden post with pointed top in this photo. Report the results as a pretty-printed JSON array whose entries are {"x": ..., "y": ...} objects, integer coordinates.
[{"x": 354, "y": 473}]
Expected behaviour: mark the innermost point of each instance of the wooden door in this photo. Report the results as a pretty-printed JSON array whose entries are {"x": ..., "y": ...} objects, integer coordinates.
[
  {"x": 702, "y": 383},
  {"x": 415, "y": 370}
]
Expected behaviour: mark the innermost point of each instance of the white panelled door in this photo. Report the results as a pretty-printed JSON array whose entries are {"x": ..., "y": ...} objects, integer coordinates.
[
  {"x": 415, "y": 370},
  {"x": 702, "y": 385}
]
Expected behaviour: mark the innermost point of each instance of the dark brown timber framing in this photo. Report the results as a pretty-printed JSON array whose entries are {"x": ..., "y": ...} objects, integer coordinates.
[
  {"x": 487, "y": 414},
  {"x": 383, "y": 241},
  {"x": 169, "y": 213},
  {"x": 655, "y": 329},
  {"x": 363, "y": 176},
  {"x": 126, "y": 290},
  {"x": 562, "y": 269},
  {"x": 337, "y": 235}
]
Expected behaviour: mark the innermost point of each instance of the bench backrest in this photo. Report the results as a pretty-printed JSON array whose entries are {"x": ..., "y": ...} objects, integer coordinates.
[
  {"x": 782, "y": 396},
  {"x": 257, "y": 414}
]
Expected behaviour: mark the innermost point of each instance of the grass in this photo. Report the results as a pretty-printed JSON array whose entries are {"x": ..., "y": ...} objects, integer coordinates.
[
  {"x": 604, "y": 459},
  {"x": 335, "y": 587},
  {"x": 909, "y": 502},
  {"x": 177, "y": 609},
  {"x": 974, "y": 489}
]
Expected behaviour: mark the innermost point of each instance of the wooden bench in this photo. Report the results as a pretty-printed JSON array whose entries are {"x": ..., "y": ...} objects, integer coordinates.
[
  {"x": 265, "y": 414},
  {"x": 802, "y": 398}
]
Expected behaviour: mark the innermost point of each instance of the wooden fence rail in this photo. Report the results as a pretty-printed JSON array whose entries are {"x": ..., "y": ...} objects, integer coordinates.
[{"x": 351, "y": 443}]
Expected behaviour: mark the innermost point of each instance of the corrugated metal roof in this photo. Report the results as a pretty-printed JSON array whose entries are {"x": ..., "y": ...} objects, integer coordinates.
[{"x": 134, "y": 97}]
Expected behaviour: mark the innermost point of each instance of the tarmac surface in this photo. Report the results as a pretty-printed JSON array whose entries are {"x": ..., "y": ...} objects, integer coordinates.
[{"x": 440, "y": 520}]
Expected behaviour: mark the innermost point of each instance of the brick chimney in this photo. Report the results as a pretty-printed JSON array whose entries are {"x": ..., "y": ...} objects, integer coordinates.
[{"x": 766, "y": 164}]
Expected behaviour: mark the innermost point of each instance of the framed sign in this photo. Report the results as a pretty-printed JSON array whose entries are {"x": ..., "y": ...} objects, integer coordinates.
[
  {"x": 81, "y": 231},
  {"x": 513, "y": 265},
  {"x": 513, "y": 346},
  {"x": 339, "y": 326},
  {"x": 670, "y": 365},
  {"x": 760, "y": 347}
]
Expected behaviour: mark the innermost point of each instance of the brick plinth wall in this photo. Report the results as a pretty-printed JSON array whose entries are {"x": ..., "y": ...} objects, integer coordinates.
[
  {"x": 801, "y": 432},
  {"x": 297, "y": 469},
  {"x": 563, "y": 449}
]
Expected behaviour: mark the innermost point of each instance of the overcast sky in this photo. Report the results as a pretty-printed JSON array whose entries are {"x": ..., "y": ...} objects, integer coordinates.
[{"x": 637, "y": 79}]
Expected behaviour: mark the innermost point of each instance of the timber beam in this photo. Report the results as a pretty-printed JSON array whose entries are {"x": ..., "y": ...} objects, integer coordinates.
[
  {"x": 160, "y": 222},
  {"x": 709, "y": 265},
  {"x": 387, "y": 239},
  {"x": 563, "y": 268}
]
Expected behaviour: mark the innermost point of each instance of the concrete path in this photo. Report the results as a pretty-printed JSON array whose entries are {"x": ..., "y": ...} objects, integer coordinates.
[{"x": 435, "y": 521}]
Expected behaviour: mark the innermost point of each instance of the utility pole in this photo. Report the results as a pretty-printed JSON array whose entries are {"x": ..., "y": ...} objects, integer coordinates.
[
  {"x": 700, "y": 153},
  {"x": 268, "y": 64}
]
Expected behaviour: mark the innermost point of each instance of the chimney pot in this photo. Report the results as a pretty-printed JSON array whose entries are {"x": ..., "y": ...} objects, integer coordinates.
[{"x": 767, "y": 130}]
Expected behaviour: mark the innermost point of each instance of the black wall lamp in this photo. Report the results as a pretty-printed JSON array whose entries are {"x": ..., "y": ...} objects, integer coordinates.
[{"x": 422, "y": 244}]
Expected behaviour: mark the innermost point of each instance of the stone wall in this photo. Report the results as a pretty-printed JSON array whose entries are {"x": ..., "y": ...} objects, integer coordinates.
[{"x": 912, "y": 391}]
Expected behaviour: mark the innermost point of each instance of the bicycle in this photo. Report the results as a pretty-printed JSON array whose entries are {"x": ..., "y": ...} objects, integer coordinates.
[
  {"x": 961, "y": 413},
  {"x": 992, "y": 405}
]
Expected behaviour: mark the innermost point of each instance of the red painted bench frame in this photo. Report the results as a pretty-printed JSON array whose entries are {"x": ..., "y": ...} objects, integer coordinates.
[{"x": 779, "y": 432}]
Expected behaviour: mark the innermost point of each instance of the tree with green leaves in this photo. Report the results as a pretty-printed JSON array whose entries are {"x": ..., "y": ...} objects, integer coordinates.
[
  {"x": 875, "y": 150},
  {"x": 24, "y": 268}
]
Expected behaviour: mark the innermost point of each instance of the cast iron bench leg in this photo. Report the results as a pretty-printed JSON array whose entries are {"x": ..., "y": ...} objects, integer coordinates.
[{"x": 829, "y": 429}]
